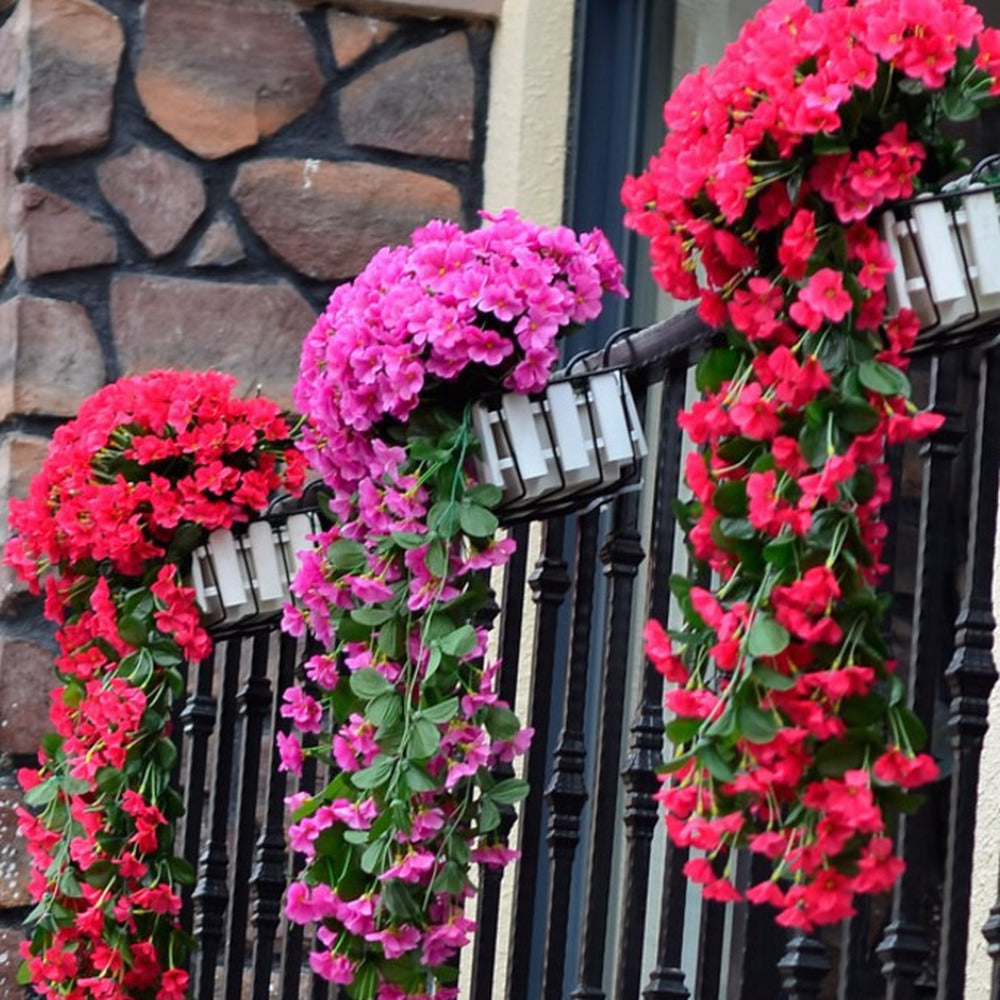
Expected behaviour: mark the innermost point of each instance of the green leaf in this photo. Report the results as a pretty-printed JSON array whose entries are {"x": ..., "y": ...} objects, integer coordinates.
[
  {"x": 433, "y": 662},
  {"x": 424, "y": 739},
  {"x": 408, "y": 539},
  {"x": 375, "y": 776},
  {"x": 370, "y": 616},
  {"x": 835, "y": 757},
  {"x": 42, "y": 794},
  {"x": 450, "y": 879},
  {"x": 710, "y": 758},
  {"x": 485, "y": 494},
  {"x": 175, "y": 681},
  {"x": 767, "y": 637},
  {"x": 682, "y": 730},
  {"x": 390, "y": 638},
  {"x": 442, "y": 518},
  {"x": 502, "y": 723},
  {"x": 346, "y": 555},
  {"x": 371, "y": 860},
  {"x": 730, "y": 499},
  {"x": 385, "y": 710},
  {"x": 915, "y": 731},
  {"x": 856, "y": 416},
  {"x": 897, "y": 690},
  {"x": 166, "y": 753},
  {"x": 813, "y": 445},
  {"x": 437, "y": 558},
  {"x": 477, "y": 522},
  {"x": 737, "y": 527},
  {"x": 780, "y": 553},
  {"x": 398, "y": 901},
  {"x": 368, "y": 683},
  {"x": 772, "y": 679},
  {"x": 417, "y": 779},
  {"x": 442, "y": 712},
  {"x": 133, "y": 630},
  {"x": 717, "y": 366},
  {"x": 883, "y": 379},
  {"x": 509, "y": 791},
  {"x": 181, "y": 871},
  {"x": 459, "y": 642},
  {"x": 489, "y": 816},
  {"x": 756, "y": 725},
  {"x": 23, "y": 974}
]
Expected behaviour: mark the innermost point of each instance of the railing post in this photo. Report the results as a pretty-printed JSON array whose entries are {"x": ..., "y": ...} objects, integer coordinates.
[
  {"x": 621, "y": 556},
  {"x": 645, "y": 752},
  {"x": 905, "y": 948},
  {"x": 549, "y": 583},
  {"x": 567, "y": 793}
]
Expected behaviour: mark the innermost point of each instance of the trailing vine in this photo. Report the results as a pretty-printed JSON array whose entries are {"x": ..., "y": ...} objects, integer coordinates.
[{"x": 126, "y": 492}]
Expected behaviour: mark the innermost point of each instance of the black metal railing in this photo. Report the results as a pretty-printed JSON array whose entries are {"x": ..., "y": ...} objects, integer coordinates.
[{"x": 597, "y": 906}]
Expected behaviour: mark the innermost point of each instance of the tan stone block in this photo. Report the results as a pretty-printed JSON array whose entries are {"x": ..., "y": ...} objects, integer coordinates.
[
  {"x": 220, "y": 76},
  {"x": 327, "y": 219},
  {"x": 27, "y": 675},
  {"x": 64, "y": 97},
  {"x": 10, "y": 53},
  {"x": 6, "y": 183},
  {"x": 10, "y": 942},
  {"x": 470, "y": 10},
  {"x": 219, "y": 247},
  {"x": 50, "y": 234},
  {"x": 254, "y": 332},
  {"x": 21, "y": 456},
  {"x": 15, "y": 863},
  {"x": 352, "y": 35},
  {"x": 50, "y": 357},
  {"x": 160, "y": 196},
  {"x": 420, "y": 102}
]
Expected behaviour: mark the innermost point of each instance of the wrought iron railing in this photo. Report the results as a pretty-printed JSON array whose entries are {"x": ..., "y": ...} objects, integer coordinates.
[{"x": 598, "y": 906}]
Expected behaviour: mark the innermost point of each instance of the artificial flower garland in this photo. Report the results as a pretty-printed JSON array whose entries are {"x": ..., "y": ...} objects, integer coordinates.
[
  {"x": 126, "y": 492},
  {"x": 790, "y": 730},
  {"x": 403, "y": 699}
]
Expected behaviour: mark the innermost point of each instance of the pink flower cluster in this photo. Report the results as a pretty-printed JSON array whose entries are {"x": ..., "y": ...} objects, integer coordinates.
[
  {"x": 403, "y": 700},
  {"x": 791, "y": 735},
  {"x": 103, "y": 529},
  {"x": 488, "y": 303},
  {"x": 753, "y": 134}
]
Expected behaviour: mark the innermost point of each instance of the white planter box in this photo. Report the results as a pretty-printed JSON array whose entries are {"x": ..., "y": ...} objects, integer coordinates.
[
  {"x": 947, "y": 260},
  {"x": 578, "y": 439},
  {"x": 235, "y": 577}
]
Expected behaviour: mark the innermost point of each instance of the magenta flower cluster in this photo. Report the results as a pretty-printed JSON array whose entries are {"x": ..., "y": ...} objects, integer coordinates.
[
  {"x": 452, "y": 303},
  {"x": 401, "y": 704}
]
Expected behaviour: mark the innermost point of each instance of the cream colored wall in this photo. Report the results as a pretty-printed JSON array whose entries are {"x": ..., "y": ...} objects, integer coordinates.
[
  {"x": 528, "y": 108},
  {"x": 986, "y": 858}
]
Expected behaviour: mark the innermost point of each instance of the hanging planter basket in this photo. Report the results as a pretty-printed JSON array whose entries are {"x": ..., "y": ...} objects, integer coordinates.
[
  {"x": 577, "y": 442},
  {"x": 247, "y": 573},
  {"x": 946, "y": 248}
]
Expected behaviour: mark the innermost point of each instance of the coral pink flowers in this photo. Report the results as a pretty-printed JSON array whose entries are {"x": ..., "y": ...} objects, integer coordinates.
[
  {"x": 121, "y": 500},
  {"x": 786, "y": 714}
]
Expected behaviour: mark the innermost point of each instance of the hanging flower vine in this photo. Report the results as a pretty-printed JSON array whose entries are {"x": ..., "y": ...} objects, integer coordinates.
[
  {"x": 403, "y": 699},
  {"x": 125, "y": 494},
  {"x": 790, "y": 730}
]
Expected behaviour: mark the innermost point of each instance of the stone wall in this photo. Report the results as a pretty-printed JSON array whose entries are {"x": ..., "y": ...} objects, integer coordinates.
[{"x": 181, "y": 184}]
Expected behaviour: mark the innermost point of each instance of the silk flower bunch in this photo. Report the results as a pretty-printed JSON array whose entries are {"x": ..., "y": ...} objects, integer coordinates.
[
  {"x": 401, "y": 704},
  {"x": 127, "y": 490},
  {"x": 790, "y": 730}
]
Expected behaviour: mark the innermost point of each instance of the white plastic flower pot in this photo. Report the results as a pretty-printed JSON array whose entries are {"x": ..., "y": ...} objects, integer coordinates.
[
  {"x": 946, "y": 255},
  {"x": 578, "y": 440},
  {"x": 237, "y": 576}
]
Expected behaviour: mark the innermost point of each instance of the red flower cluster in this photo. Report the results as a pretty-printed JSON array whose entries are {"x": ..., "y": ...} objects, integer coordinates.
[
  {"x": 790, "y": 730},
  {"x": 111, "y": 517}
]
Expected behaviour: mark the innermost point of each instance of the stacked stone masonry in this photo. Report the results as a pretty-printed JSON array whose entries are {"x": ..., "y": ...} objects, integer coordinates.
[{"x": 181, "y": 183}]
